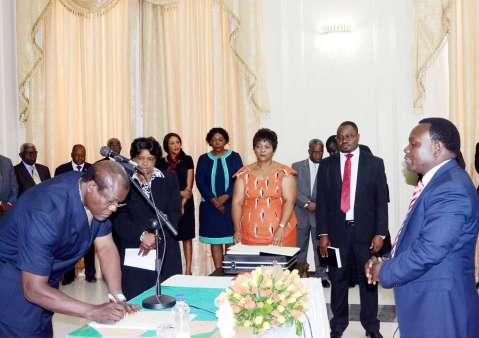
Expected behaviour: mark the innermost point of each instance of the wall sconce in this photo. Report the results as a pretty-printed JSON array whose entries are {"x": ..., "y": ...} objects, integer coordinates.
[{"x": 335, "y": 28}]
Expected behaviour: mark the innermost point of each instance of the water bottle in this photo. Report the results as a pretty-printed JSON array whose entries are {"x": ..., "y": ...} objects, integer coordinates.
[{"x": 181, "y": 312}]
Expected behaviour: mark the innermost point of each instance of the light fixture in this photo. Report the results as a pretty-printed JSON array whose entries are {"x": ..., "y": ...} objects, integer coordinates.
[{"x": 335, "y": 28}]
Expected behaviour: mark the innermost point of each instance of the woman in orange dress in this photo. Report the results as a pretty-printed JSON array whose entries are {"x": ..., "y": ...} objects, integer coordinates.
[{"x": 264, "y": 196}]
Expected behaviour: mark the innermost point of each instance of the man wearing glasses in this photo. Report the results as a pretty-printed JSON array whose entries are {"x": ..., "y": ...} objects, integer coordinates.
[{"x": 46, "y": 232}]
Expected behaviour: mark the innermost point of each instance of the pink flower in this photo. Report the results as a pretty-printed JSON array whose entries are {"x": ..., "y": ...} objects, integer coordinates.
[
  {"x": 265, "y": 293},
  {"x": 250, "y": 304},
  {"x": 296, "y": 314},
  {"x": 236, "y": 308}
]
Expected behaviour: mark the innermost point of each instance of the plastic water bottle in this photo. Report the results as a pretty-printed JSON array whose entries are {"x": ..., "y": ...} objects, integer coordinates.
[{"x": 181, "y": 312}]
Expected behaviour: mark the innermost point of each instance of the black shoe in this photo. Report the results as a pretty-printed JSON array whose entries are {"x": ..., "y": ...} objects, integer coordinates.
[
  {"x": 477, "y": 285},
  {"x": 67, "y": 281},
  {"x": 325, "y": 283},
  {"x": 374, "y": 334},
  {"x": 335, "y": 334},
  {"x": 91, "y": 279}
]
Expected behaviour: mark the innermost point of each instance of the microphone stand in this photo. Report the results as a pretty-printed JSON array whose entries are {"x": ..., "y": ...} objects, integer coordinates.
[{"x": 157, "y": 301}]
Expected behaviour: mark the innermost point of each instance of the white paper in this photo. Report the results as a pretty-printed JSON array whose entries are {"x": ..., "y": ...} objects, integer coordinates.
[
  {"x": 242, "y": 249},
  {"x": 144, "y": 320},
  {"x": 142, "y": 262}
]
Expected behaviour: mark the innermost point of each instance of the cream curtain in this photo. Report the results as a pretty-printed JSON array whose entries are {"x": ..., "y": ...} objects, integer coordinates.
[
  {"x": 431, "y": 25},
  {"x": 464, "y": 80},
  {"x": 80, "y": 92},
  {"x": 202, "y": 67}
]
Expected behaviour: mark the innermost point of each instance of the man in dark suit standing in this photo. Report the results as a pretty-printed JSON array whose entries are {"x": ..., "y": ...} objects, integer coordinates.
[
  {"x": 78, "y": 163},
  {"x": 28, "y": 172},
  {"x": 352, "y": 215},
  {"x": 431, "y": 265},
  {"x": 8, "y": 185}
]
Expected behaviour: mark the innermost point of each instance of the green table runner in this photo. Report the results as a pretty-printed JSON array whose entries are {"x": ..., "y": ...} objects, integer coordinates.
[{"x": 200, "y": 300}]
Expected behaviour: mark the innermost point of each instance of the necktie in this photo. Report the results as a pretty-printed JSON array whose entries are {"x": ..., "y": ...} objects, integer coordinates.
[
  {"x": 35, "y": 176},
  {"x": 78, "y": 167},
  {"x": 346, "y": 187},
  {"x": 415, "y": 196}
]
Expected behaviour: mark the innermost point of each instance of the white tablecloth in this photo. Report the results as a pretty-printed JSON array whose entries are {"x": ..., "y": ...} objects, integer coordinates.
[{"x": 317, "y": 313}]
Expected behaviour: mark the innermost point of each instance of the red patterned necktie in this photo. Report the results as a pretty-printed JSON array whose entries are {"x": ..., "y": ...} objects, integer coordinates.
[
  {"x": 415, "y": 196},
  {"x": 346, "y": 186}
]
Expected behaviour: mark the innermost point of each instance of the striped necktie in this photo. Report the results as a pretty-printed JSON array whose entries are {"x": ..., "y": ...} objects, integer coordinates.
[
  {"x": 415, "y": 196},
  {"x": 35, "y": 176}
]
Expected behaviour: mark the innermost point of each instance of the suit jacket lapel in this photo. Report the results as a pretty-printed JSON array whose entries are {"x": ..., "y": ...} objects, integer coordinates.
[
  {"x": 362, "y": 171},
  {"x": 307, "y": 174},
  {"x": 425, "y": 191},
  {"x": 27, "y": 175},
  {"x": 336, "y": 172}
]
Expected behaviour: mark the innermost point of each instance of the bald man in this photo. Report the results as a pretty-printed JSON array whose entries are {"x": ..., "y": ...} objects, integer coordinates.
[{"x": 37, "y": 246}]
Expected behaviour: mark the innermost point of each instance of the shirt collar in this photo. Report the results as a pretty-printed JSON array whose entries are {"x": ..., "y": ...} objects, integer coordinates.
[
  {"x": 311, "y": 163},
  {"x": 355, "y": 153},
  {"x": 156, "y": 174},
  {"x": 429, "y": 175},
  {"x": 89, "y": 215},
  {"x": 28, "y": 166},
  {"x": 76, "y": 165}
]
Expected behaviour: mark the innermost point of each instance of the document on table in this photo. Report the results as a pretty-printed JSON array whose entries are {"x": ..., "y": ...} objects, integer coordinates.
[
  {"x": 143, "y": 320},
  {"x": 242, "y": 249},
  {"x": 142, "y": 262}
]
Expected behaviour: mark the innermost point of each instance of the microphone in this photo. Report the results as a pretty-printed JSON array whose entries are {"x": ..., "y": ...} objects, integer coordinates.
[{"x": 128, "y": 164}]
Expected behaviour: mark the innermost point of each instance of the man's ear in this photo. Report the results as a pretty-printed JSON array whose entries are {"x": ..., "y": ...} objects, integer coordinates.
[
  {"x": 90, "y": 185},
  {"x": 437, "y": 148}
]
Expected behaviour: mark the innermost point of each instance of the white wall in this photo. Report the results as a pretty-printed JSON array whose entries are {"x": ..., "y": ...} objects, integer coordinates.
[
  {"x": 317, "y": 81},
  {"x": 11, "y": 131}
]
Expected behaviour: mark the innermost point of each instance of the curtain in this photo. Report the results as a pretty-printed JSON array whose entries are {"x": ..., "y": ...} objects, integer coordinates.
[
  {"x": 80, "y": 92},
  {"x": 431, "y": 25},
  {"x": 464, "y": 81},
  {"x": 196, "y": 75},
  {"x": 10, "y": 133}
]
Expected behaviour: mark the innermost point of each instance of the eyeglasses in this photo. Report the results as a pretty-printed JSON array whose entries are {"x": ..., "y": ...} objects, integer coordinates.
[{"x": 115, "y": 204}]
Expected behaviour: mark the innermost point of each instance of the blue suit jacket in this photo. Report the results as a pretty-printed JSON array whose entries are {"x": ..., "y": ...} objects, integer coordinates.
[{"x": 433, "y": 270}]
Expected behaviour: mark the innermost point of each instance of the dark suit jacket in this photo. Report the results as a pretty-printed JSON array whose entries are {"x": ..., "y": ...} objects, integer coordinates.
[
  {"x": 25, "y": 180},
  {"x": 8, "y": 181},
  {"x": 370, "y": 209},
  {"x": 432, "y": 271},
  {"x": 134, "y": 218},
  {"x": 66, "y": 167}
]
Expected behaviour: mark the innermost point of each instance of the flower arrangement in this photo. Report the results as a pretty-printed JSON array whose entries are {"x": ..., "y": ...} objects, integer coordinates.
[{"x": 267, "y": 297}]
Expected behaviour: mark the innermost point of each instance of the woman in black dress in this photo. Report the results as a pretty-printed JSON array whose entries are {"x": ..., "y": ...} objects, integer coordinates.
[
  {"x": 131, "y": 223},
  {"x": 180, "y": 163}
]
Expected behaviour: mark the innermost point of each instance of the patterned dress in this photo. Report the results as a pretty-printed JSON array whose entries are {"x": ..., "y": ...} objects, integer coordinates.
[{"x": 262, "y": 207}]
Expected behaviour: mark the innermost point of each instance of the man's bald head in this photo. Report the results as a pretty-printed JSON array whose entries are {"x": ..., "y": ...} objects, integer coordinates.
[{"x": 104, "y": 185}]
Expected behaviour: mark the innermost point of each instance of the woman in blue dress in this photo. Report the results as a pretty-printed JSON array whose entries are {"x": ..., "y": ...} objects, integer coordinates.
[{"x": 214, "y": 179}]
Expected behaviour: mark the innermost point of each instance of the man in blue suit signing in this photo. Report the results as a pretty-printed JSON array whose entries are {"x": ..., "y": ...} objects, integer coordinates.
[{"x": 431, "y": 265}]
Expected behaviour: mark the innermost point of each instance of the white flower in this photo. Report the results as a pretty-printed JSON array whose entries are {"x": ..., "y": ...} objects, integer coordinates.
[{"x": 258, "y": 320}]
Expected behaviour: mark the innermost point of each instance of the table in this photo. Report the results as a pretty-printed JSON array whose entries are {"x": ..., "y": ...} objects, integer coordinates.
[{"x": 200, "y": 293}]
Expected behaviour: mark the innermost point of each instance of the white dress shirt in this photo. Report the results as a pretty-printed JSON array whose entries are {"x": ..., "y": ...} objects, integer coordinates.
[
  {"x": 313, "y": 172},
  {"x": 429, "y": 175},
  {"x": 354, "y": 179},
  {"x": 29, "y": 167},
  {"x": 75, "y": 166}
]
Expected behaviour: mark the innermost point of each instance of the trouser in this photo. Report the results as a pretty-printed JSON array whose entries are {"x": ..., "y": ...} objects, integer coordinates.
[
  {"x": 90, "y": 271},
  {"x": 303, "y": 232},
  {"x": 340, "y": 288}
]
